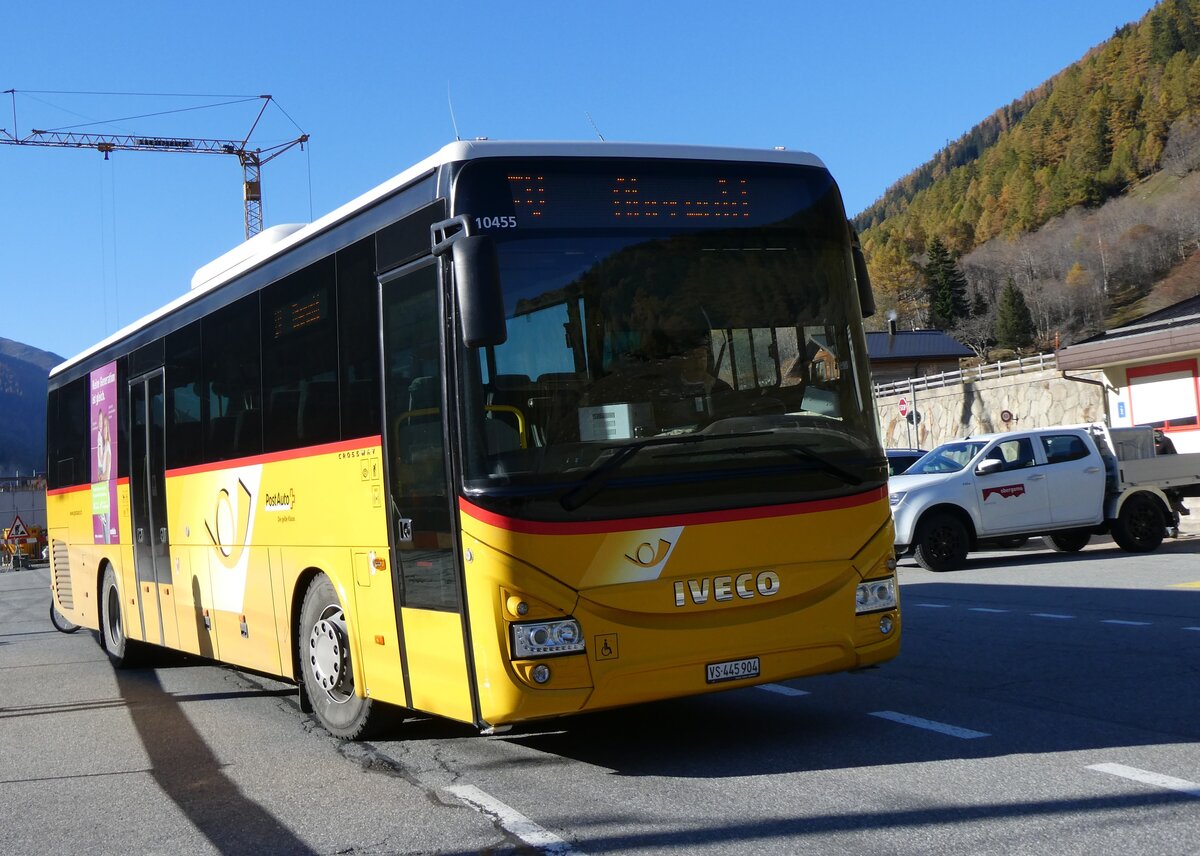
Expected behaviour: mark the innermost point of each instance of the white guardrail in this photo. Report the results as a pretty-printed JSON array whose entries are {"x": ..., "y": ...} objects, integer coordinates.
[{"x": 986, "y": 371}]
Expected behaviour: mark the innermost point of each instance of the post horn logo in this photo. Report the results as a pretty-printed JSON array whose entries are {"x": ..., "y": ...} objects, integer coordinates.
[
  {"x": 647, "y": 555},
  {"x": 230, "y": 529}
]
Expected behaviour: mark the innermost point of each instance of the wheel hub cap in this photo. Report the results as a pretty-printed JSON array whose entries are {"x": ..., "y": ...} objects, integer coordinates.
[{"x": 327, "y": 653}]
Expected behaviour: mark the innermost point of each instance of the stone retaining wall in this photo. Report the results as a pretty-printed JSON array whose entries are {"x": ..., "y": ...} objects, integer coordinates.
[{"x": 1034, "y": 399}]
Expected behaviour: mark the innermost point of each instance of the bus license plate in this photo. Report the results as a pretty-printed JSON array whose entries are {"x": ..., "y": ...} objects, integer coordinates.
[{"x": 733, "y": 670}]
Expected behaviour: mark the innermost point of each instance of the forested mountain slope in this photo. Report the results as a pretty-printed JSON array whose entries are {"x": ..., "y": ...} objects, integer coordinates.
[{"x": 1122, "y": 123}]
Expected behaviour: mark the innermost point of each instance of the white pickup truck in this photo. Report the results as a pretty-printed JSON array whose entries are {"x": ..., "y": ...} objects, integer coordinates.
[{"x": 1064, "y": 483}]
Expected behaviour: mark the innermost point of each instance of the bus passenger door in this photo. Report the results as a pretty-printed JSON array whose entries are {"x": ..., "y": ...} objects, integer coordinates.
[
  {"x": 422, "y": 531},
  {"x": 148, "y": 499}
]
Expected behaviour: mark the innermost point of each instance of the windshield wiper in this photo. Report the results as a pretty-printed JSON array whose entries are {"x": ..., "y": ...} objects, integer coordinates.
[
  {"x": 797, "y": 452},
  {"x": 594, "y": 482}
]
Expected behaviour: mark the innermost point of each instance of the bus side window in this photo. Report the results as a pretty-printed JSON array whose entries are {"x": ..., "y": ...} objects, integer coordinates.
[{"x": 232, "y": 381}]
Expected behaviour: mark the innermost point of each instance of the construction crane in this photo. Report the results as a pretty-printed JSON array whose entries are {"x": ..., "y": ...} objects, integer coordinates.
[{"x": 252, "y": 160}]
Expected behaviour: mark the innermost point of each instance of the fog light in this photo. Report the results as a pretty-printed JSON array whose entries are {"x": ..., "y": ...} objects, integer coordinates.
[
  {"x": 540, "y": 673},
  {"x": 885, "y": 625}
]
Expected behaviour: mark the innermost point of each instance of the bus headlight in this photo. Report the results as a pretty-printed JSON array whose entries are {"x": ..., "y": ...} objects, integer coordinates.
[
  {"x": 543, "y": 638},
  {"x": 874, "y": 595}
]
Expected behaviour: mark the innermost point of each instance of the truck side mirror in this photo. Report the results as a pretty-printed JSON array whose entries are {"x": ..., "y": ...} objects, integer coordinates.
[
  {"x": 989, "y": 466},
  {"x": 480, "y": 297}
]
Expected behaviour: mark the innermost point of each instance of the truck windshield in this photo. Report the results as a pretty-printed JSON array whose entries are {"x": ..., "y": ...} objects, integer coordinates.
[
  {"x": 947, "y": 458},
  {"x": 659, "y": 364}
]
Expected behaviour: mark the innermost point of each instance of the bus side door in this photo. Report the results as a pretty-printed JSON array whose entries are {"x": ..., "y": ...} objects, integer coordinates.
[{"x": 432, "y": 623}]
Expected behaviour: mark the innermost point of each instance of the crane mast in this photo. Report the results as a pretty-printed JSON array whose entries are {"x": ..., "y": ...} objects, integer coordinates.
[{"x": 251, "y": 159}]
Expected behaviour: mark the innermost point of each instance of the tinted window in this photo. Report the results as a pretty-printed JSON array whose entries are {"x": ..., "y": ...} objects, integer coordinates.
[
  {"x": 1061, "y": 448},
  {"x": 232, "y": 381},
  {"x": 358, "y": 325},
  {"x": 67, "y": 446},
  {"x": 184, "y": 400},
  {"x": 300, "y": 377}
]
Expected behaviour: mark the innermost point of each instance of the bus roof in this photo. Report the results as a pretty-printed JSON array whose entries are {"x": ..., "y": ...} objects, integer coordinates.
[{"x": 276, "y": 240}]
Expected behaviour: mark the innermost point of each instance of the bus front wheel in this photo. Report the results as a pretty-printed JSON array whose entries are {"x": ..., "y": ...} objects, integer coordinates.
[{"x": 323, "y": 644}]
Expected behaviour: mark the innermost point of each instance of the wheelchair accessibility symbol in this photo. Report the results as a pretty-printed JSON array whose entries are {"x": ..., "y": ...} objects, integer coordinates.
[{"x": 606, "y": 647}]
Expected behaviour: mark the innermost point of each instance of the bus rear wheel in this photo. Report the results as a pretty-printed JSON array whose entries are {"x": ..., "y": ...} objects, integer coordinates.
[
  {"x": 323, "y": 644},
  {"x": 122, "y": 651}
]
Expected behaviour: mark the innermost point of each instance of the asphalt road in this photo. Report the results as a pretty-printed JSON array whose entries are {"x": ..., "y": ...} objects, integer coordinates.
[{"x": 1042, "y": 704}]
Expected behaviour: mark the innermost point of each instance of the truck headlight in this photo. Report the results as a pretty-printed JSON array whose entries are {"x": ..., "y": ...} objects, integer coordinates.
[
  {"x": 897, "y": 497},
  {"x": 545, "y": 638},
  {"x": 875, "y": 595}
]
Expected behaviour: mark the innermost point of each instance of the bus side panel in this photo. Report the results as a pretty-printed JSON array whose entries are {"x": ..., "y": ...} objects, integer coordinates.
[
  {"x": 73, "y": 580},
  {"x": 376, "y": 610},
  {"x": 247, "y": 636},
  {"x": 194, "y": 602}
]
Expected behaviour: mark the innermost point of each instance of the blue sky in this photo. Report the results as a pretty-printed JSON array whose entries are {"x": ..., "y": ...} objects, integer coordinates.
[{"x": 874, "y": 88}]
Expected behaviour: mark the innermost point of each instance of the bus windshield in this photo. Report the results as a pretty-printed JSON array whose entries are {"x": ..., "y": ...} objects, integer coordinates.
[{"x": 664, "y": 359}]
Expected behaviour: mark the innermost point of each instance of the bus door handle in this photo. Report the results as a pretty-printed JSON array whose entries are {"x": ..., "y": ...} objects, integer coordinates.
[
  {"x": 162, "y": 535},
  {"x": 141, "y": 536}
]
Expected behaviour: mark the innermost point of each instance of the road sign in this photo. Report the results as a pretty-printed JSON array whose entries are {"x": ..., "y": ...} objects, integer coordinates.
[
  {"x": 18, "y": 529},
  {"x": 903, "y": 405}
]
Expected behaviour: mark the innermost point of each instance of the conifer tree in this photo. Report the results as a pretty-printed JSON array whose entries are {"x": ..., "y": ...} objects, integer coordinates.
[
  {"x": 945, "y": 287},
  {"x": 1014, "y": 323}
]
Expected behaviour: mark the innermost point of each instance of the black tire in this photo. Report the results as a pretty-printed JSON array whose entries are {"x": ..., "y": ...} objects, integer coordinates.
[
  {"x": 942, "y": 543},
  {"x": 1140, "y": 526},
  {"x": 61, "y": 623},
  {"x": 323, "y": 648},
  {"x": 1068, "y": 541},
  {"x": 122, "y": 651}
]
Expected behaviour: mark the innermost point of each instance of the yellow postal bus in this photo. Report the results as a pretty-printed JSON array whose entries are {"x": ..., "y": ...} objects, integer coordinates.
[{"x": 529, "y": 430}]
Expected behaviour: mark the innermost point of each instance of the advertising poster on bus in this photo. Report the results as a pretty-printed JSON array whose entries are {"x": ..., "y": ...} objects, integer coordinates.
[{"x": 104, "y": 455}]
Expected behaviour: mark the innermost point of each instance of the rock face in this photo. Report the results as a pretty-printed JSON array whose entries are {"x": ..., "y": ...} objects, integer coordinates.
[
  {"x": 23, "y": 373},
  {"x": 1033, "y": 400}
]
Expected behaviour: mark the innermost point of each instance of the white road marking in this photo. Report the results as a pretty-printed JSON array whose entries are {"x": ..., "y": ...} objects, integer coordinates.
[
  {"x": 1126, "y": 623},
  {"x": 1050, "y": 615},
  {"x": 782, "y": 690},
  {"x": 1147, "y": 778},
  {"x": 986, "y": 609},
  {"x": 930, "y": 725},
  {"x": 1191, "y": 628},
  {"x": 934, "y": 605},
  {"x": 512, "y": 820}
]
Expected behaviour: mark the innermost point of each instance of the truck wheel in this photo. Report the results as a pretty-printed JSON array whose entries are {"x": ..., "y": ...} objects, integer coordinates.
[
  {"x": 323, "y": 644},
  {"x": 1139, "y": 527},
  {"x": 1069, "y": 541},
  {"x": 942, "y": 543}
]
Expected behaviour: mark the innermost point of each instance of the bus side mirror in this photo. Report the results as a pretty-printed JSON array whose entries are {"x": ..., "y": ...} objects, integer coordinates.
[
  {"x": 866, "y": 297},
  {"x": 480, "y": 297}
]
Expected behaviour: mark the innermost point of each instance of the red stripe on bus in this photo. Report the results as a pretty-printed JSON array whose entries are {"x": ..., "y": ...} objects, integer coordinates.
[
  {"x": 59, "y": 491},
  {"x": 285, "y": 455},
  {"x": 602, "y": 527}
]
